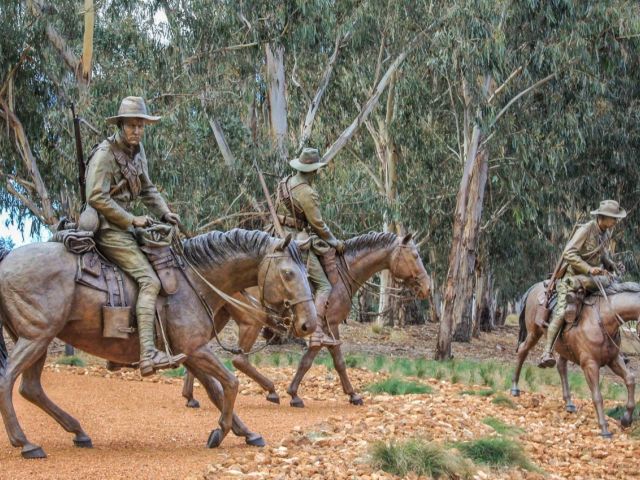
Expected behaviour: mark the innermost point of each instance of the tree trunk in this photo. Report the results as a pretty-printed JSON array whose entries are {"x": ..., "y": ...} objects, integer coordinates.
[
  {"x": 367, "y": 304},
  {"x": 277, "y": 99},
  {"x": 466, "y": 228}
]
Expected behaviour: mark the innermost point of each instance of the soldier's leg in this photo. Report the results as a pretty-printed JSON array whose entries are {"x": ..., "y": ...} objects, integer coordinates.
[
  {"x": 322, "y": 288},
  {"x": 121, "y": 248},
  {"x": 557, "y": 322}
]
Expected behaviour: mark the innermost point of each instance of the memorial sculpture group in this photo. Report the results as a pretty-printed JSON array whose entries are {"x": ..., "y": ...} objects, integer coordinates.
[{"x": 127, "y": 289}]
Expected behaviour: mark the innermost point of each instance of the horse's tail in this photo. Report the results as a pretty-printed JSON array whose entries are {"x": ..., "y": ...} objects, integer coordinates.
[
  {"x": 522, "y": 335},
  {"x": 4, "y": 354}
]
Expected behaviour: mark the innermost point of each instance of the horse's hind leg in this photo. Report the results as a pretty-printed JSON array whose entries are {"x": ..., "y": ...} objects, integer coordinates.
[
  {"x": 31, "y": 389},
  {"x": 619, "y": 368},
  {"x": 24, "y": 354},
  {"x": 214, "y": 391},
  {"x": 592, "y": 374},
  {"x": 566, "y": 392},
  {"x": 523, "y": 351}
]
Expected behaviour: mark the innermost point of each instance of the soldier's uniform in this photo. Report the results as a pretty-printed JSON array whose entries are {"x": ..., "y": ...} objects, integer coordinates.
[
  {"x": 298, "y": 209},
  {"x": 587, "y": 249},
  {"x": 117, "y": 175}
]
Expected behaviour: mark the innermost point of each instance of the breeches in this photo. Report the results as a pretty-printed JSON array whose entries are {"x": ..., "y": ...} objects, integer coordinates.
[{"x": 121, "y": 248}]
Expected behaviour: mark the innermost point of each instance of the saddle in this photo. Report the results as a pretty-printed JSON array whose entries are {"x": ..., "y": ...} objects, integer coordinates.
[
  {"x": 118, "y": 319},
  {"x": 574, "y": 300}
]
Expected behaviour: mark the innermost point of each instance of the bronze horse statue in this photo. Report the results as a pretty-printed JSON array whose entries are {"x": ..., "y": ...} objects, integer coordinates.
[
  {"x": 592, "y": 342},
  {"x": 40, "y": 300},
  {"x": 363, "y": 256}
]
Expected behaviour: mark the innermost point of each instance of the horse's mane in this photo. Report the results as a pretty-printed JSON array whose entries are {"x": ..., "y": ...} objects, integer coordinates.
[
  {"x": 370, "y": 241},
  {"x": 214, "y": 248},
  {"x": 621, "y": 287}
]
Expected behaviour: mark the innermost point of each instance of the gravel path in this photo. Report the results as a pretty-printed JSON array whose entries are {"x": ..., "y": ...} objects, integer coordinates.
[{"x": 141, "y": 429}]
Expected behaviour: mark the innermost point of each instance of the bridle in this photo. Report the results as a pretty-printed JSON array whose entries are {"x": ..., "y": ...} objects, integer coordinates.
[
  {"x": 414, "y": 281},
  {"x": 285, "y": 316}
]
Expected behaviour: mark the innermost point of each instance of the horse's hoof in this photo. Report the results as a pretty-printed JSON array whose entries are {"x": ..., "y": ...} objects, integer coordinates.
[
  {"x": 215, "y": 439},
  {"x": 356, "y": 400},
  {"x": 626, "y": 421},
  {"x": 82, "y": 442},
  {"x": 296, "y": 402},
  {"x": 515, "y": 392},
  {"x": 273, "y": 398},
  {"x": 193, "y": 403},
  {"x": 33, "y": 451},
  {"x": 607, "y": 435},
  {"x": 571, "y": 408},
  {"x": 255, "y": 441}
]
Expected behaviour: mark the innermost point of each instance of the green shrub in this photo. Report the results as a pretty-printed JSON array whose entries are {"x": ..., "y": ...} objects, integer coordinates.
[
  {"x": 378, "y": 363},
  {"x": 352, "y": 361},
  {"x": 229, "y": 365},
  {"x": 72, "y": 360},
  {"x": 422, "y": 458},
  {"x": 504, "y": 401},
  {"x": 620, "y": 410},
  {"x": 496, "y": 452},
  {"x": 502, "y": 428},
  {"x": 397, "y": 386},
  {"x": 175, "y": 372}
]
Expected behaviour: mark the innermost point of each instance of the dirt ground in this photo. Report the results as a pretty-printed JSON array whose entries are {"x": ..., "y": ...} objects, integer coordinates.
[{"x": 141, "y": 429}]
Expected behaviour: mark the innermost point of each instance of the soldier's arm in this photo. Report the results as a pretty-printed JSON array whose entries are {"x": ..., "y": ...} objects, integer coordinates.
[
  {"x": 149, "y": 193},
  {"x": 309, "y": 201},
  {"x": 571, "y": 252},
  {"x": 607, "y": 261},
  {"x": 98, "y": 184}
]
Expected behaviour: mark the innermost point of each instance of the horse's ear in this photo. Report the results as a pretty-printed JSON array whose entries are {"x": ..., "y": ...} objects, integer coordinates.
[
  {"x": 304, "y": 245},
  {"x": 407, "y": 238},
  {"x": 284, "y": 243}
]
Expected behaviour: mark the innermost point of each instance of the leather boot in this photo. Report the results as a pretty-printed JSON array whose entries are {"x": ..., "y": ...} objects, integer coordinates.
[
  {"x": 152, "y": 359},
  {"x": 318, "y": 337},
  {"x": 547, "y": 360}
]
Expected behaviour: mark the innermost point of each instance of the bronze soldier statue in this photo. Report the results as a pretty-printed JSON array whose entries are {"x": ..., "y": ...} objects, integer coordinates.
[
  {"x": 587, "y": 260},
  {"x": 117, "y": 175},
  {"x": 298, "y": 209}
]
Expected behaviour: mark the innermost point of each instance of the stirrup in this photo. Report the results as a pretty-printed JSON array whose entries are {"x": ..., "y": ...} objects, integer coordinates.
[
  {"x": 547, "y": 360},
  {"x": 158, "y": 360}
]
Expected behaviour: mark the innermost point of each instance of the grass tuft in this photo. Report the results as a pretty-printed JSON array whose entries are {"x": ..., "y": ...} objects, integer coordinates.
[
  {"x": 420, "y": 458},
  {"x": 496, "y": 452},
  {"x": 620, "y": 410},
  {"x": 479, "y": 393},
  {"x": 72, "y": 360},
  {"x": 502, "y": 428},
  {"x": 397, "y": 386},
  {"x": 503, "y": 400}
]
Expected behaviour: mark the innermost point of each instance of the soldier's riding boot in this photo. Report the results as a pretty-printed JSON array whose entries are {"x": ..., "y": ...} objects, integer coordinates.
[
  {"x": 557, "y": 322},
  {"x": 151, "y": 359},
  {"x": 318, "y": 337}
]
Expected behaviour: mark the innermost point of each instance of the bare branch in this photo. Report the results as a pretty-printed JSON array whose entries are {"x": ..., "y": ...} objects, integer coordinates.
[
  {"x": 324, "y": 82},
  {"x": 31, "y": 206},
  {"x": 87, "y": 42},
  {"x": 516, "y": 72},
  {"x": 370, "y": 172},
  {"x": 227, "y": 154},
  {"x": 522, "y": 93}
]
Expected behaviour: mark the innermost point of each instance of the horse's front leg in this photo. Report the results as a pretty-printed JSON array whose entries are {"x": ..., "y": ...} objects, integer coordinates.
[
  {"x": 619, "y": 368},
  {"x": 187, "y": 390},
  {"x": 566, "y": 392},
  {"x": 247, "y": 336},
  {"x": 203, "y": 359},
  {"x": 592, "y": 373},
  {"x": 215, "y": 393},
  {"x": 341, "y": 368},
  {"x": 303, "y": 367}
]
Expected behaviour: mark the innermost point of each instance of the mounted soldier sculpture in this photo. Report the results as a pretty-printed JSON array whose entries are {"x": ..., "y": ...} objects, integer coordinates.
[
  {"x": 586, "y": 265},
  {"x": 117, "y": 175},
  {"x": 298, "y": 210}
]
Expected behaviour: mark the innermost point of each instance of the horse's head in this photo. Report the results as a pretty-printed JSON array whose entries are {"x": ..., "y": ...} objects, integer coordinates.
[
  {"x": 406, "y": 265},
  {"x": 285, "y": 290}
]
